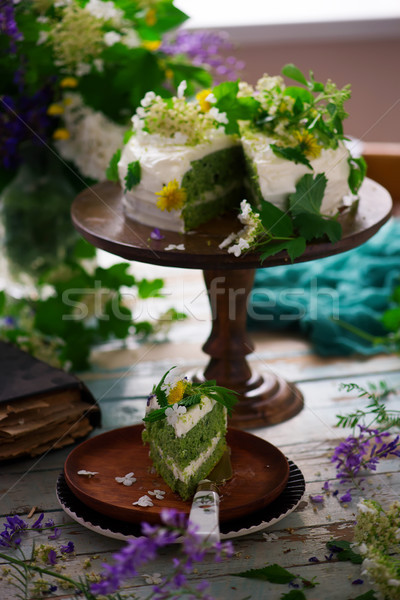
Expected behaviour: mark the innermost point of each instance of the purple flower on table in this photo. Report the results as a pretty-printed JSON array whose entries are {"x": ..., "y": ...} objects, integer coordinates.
[
  {"x": 346, "y": 497},
  {"x": 156, "y": 234},
  {"x": 363, "y": 452},
  {"x": 52, "y": 557},
  {"x": 326, "y": 486},
  {"x": 10, "y": 536},
  {"x": 38, "y": 523},
  {"x": 357, "y": 582},
  {"x": 317, "y": 498},
  {"x": 313, "y": 559},
  {"x": 55, "y": 534},
  {"x": 67, "y": 548}
]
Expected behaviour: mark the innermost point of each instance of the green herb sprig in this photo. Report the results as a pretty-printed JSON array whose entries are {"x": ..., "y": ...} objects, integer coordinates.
[{"x": 192, "y": 395}]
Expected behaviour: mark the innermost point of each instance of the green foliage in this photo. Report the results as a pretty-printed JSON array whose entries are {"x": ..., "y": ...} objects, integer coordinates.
[
  {"x": 133, "y": 175},
  {"x": 295, "y": 154},
  {"x": 76, "y": 308},
  {"x": 346, "y": 553},
  {"x": 294, "y": 595},
  {"x": 112, "y": 169},
  {"x": 192, "y": 394},
  {"x": 303, "y": 222},
  {"x": 375, "y": 413},
  {"x": 358, "y": 170},
  {"x": 272, "y": 573},
  {"x": 242, "y": 108},
  {"x": 367, "y": 596}
]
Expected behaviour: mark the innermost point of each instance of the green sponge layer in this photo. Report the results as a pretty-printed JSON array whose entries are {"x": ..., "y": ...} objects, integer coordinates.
[{"x": 213, "y": 184}]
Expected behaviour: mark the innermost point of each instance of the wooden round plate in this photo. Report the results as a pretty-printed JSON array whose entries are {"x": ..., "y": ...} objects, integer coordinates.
[{"x": 260, "y": 474}]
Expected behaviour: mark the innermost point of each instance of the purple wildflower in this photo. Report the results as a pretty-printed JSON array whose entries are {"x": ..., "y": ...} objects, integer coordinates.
[
  {"x": 357, "y": 582},
  {"x": 67, "y": 548},
  {"x": 52, "y": 557},
  {"x": 346, "y": 497},
  {"x": 326, "y": 486},
  {"x": 363, "y": 452},
  {"x": 8, "y": 25},
  {"x": 156, "y": 234},
  {"x": 313, "y": 559},
  {"x": 317, "y": 498},
  {"x": 49, "y": 523},
  {"x": 329, "y": 556},
  {"x": 37, "y": 524},
  {"x": 12, "y": 528},
  {"x": 204, "y": 48}
]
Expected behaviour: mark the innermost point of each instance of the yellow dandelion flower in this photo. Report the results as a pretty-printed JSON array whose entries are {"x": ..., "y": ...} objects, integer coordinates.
[
  {"x": 151, "y": 17},
  {"x": 151, "y": 45},
  {"x": 176, "y": 393},
  {"x": 308, "y": 143},
  {"x": 61, "y": 134},
  {"x": 55, "y": 109},
  {"x": 70, "y": 82},
  {"x": 201, "y": 99},
  {"x": 172, "y": 197}
]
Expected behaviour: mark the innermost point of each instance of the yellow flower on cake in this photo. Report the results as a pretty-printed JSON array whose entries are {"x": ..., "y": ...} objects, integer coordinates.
[
  {"x": 201, "y": 98},
  {"x": 176, "y": 393},
  {"x": 172, "y": 196},
  {"x": 308, "y": 143}
]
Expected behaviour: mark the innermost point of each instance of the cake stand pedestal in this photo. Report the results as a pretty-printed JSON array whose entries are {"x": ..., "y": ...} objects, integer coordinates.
[{"x": 264, "y": 399}]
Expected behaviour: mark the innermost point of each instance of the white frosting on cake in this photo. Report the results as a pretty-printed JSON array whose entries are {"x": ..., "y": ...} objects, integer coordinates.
[
  {"x": 188, "y": 420},
  {"x": 186, "y": 473},
  {"x": 278, "y": 177},
  {"x": 161, "y": 162}
]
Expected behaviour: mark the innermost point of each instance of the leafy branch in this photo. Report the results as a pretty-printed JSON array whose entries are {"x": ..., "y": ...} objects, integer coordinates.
[{"x": 376, "y": 410}]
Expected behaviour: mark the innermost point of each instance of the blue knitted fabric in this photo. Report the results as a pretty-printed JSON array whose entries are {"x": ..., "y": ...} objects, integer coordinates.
[{"x": 354, "y": 287}]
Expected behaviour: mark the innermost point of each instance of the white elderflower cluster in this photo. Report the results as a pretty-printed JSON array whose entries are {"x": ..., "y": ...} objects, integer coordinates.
[
  {"x": 176, "y": 120},
  {"x": 93, "y": 138},
  {"x": 106, "y": 11},
  {"x": 248, "y": 235},
  {"x": 377, "y": 534}
]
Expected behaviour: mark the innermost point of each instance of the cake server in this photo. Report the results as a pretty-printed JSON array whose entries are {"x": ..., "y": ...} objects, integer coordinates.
[{"x": 204, "y": 513}]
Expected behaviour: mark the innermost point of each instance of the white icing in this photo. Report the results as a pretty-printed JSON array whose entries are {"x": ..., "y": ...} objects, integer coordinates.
[
  {"x": 187, "y": 421},
  {"x": 278, "y": 177},
  {"x": 161, "y": 162},
  {"x": 186, "y": 473}
]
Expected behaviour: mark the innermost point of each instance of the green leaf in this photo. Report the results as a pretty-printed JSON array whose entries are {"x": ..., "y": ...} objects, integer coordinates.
[
  {"x": 275, "y": 221},
  {"x": 312, "y": 226},
  {"x": 150, "y": 289},
  {"x": 291, "y": 71},
  {"x": 367, "y": 596},
  {"x": 299, "y": 93},
  {"x": 115, "y": 321},
  {"x": 391, "y": 319},
  {"x": 293, "y": 154},
  {"x": 127, "y": 135},
  {"x": 159, "y": 392},
  {"x": 2, "y": 301},
  {"x": 358, "y": 169},
  {"x": 294, "y": 595},
  {"x": 155, "y": 415},
  {"x": 272, "y": 573},
  {"x": 346, "y": 552},
  {"x": 115, "y": 276},
  {"x": 236, "y": 109},
  {"x": 133, "y": 175},
  {"x": 308, "y": 195},
  {"x": 294, "y": 247},
  {"x": 112, "y": 169},
  {"x": 83, "y": 249}
]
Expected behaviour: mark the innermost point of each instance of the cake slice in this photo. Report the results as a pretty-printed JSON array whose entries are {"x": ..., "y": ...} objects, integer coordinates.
[{"x": 185, "y": 427}]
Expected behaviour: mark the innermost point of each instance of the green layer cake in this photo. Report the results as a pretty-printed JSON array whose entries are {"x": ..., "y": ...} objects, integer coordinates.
[
  {"x": 185, "y": 428},
  {"x": 179, "y": 167}
]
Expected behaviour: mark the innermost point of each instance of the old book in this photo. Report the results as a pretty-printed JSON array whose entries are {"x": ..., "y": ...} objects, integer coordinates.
[{"x": 41, "y": 407}]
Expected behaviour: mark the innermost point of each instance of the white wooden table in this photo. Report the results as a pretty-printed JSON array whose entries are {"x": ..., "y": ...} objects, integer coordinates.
[{"x": 121, "y": 380}]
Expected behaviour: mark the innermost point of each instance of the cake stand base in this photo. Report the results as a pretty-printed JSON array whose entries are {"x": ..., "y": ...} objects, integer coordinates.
[{"x": 263, "y": 399}]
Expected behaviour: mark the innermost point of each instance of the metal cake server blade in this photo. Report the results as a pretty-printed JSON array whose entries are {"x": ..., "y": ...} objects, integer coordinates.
[{"x": 204, "y": 513}]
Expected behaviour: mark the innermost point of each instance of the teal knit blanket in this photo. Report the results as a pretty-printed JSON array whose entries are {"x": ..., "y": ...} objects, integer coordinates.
[{"x": 311, "y": 297}]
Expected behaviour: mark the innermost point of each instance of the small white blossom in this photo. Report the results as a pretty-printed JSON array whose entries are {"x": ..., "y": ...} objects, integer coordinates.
[
  {"x": 270, "y": 537},
  {"x": 99, "y": 64},
  {"x": 87, "y": 473},
  {"x": 43, "y": 37},
  {"x": 106, "y": 11},
  {"x": 143, "y": 501},
  {"x": 148, "y": 99},
  {"x": 220, "y": 117},
  {"x": 159, "y": 494},
  {"x": 127, "y": 480},
  {"x": 181, "y": 89},
  {"x": 42, "y": 19},
  {"x": 174, "y": 412},
  {"x": 363, "y": 548},
  {"x": 364, "y": 508},
  {"x": 130, "y": 38},
  {"x": 179, "y": 138},
  {"x": 82, "y": 69},
  {"x": 154, "y": 578},
  {"x": 211, "y": 98},
  {"x": 111, "y": 38},
  {"x": 228, "y": 240},
  {"x": 175, "y": 247}
]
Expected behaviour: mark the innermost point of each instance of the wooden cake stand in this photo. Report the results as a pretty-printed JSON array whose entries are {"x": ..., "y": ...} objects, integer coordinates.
[{"x": 265, "y": 399}]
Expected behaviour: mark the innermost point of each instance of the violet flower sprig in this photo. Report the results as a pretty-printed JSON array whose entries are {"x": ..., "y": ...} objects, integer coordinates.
[
  {"x": 363, "y": 452},
  {"x": 140, "y": 551}
]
